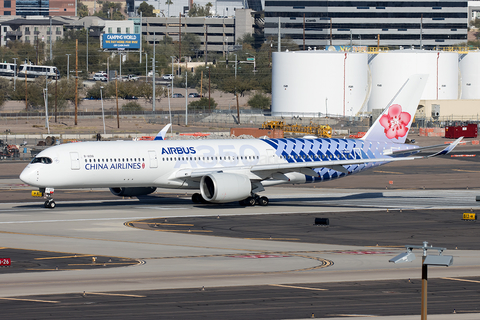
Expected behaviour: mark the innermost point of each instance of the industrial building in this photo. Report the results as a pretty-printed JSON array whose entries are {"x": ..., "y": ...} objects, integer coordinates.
[
  {"x": 216, "y": 34},
  {"x": 320, "y": 83},
  {"x": 420, "y": 23}
]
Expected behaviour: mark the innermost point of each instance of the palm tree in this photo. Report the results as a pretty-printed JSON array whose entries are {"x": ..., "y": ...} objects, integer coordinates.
[{"x": 169, "y": 2}]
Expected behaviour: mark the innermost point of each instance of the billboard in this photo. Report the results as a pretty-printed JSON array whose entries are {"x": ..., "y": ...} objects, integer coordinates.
[{"x": 121, "y": 41}]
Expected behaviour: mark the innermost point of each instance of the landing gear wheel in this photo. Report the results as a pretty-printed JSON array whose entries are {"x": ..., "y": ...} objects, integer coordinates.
[
  {"x": 50, "y": 204},
  {"x": 197, "y": 198},
  {"x": 250, "y": 201},
  {"x": 263, "y": 201}
]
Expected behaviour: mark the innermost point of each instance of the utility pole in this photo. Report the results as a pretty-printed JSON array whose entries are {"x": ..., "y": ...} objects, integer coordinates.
[
  {"x": 26, "y": 91},
  {"x": 236, "y": 93},
  {"x": 180, "y": 41},
  {"x": 153, "y": 74},
  {"x": 206, "y": 44},
  {"x": 56, "y": 80},
  {"x": 186, "y": 98},
  {"x": 116, "y": 99},
  {"x": 76, "y": 81},
  {"x": 68, "y": 65},
  {"x": 88, "y": 33}
]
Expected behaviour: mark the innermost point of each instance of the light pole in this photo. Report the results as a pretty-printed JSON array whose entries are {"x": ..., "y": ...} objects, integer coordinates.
[
  {"x": 146, "y": 67},
  {"x": 103, "y": 115},
  {"x": 68, "y": 65},
  {"x": 172, "y": 73},
  {"x": 186, "y": 98},
  {"x": 439, "y": 260},
  {"x": 15, "y": 74}
]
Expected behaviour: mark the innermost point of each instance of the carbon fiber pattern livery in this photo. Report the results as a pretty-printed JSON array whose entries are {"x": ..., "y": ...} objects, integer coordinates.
[{"x": 326, "y": 150}]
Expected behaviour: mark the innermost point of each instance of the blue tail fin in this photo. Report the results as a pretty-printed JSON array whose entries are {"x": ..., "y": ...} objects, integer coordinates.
[{"x": 395, "y": 121}]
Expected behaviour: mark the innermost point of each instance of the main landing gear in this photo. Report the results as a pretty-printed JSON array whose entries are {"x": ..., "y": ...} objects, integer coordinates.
[
  {"x": 250, "y": 201},
  {"x": 197, "y": 198},
  {"x": 253, "y": 200}
]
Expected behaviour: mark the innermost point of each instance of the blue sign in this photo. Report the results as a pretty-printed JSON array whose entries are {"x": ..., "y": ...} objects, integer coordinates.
[{"x": 122, "y": 41}]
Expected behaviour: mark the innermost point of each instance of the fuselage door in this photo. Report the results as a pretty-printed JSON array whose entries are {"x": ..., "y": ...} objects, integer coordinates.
[
  {"x": 75, "y": 160},
  {"x": 153, "y": 158}
]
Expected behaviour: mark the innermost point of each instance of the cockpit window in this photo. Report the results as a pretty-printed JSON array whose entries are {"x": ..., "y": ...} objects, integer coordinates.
[{"x": 45, "y": 160}]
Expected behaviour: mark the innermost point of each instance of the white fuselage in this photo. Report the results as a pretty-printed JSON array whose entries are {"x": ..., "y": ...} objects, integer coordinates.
[{"x": 180, "y": 164}]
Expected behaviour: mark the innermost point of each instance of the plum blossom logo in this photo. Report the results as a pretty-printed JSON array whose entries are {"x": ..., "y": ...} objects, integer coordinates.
[{"x": 395, "y": 122}]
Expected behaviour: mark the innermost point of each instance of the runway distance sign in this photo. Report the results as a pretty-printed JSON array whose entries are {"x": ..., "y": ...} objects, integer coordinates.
[
  {"x": 5, "y": 262},
  {"x": 469, "y": 216}
]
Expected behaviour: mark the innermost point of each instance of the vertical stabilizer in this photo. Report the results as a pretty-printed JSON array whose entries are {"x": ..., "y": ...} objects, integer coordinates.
[{"x": 395, "y": 121}]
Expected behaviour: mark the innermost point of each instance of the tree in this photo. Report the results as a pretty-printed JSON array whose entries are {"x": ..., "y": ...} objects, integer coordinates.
[
  {"x": 199, "y": 11},
  {"x": 169, "y": 2},
  {"x": 202, "y": 103},
  {"x": 146, "y": 10},
  {"x": 82, "y": 9},
  {"x": 110, "y": 11},
  {"x": 259, "y": 101}
]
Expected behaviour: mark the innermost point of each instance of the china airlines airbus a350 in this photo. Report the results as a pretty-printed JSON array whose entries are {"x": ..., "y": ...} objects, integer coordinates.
[{"x": 227, "y": 170}]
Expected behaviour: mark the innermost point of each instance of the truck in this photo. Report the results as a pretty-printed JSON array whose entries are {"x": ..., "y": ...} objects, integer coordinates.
[{"x": 130, "y": 77}]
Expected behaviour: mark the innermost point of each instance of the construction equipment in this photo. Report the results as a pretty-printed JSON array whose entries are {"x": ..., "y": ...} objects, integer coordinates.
[
  {"x": 321, "y": 131},
  {"x": 8, "y": 151}
]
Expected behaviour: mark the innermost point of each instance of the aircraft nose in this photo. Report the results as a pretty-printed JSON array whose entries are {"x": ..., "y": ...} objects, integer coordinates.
[{"x": 28, "y": 176}]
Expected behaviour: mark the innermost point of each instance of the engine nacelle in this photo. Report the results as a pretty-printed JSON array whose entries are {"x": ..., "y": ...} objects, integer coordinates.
[
  {"x": 225, "y": 187},
  {"x": 132, "y": 192}
]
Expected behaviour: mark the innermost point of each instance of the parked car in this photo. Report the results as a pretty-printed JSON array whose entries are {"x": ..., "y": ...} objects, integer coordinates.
[
  {"x": 167, "y": 77},
  {"x": 178, "y": 95},
  {"x": 194, "y": 95},
  {"x": 100, "y": 77}
]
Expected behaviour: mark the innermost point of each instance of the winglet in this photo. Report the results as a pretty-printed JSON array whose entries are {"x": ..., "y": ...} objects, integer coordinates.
[
  {"x": 162, "y": 133},
  {"x": 446, "y": 150},
  {"x": 395, "y": 121}
]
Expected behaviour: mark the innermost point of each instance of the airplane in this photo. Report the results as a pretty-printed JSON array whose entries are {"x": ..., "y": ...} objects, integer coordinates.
[{"x": 227, "y": 170}]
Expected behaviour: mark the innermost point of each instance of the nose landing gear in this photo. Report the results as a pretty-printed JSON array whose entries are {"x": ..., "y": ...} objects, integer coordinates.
[{"x": 49, "y": 203}]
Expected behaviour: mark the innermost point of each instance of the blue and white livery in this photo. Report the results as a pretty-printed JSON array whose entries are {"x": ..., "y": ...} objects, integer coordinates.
[{"x": 227, "y": 170}]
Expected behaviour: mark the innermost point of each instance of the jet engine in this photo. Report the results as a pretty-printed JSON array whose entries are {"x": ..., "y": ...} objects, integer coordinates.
[
  {"x": 132, "y": 192},
  {"x": 225, "y": 187}
]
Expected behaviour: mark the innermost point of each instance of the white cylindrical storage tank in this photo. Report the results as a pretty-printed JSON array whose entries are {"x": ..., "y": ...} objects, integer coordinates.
[
  {"x": 390, "y": 70},
  {"x": 470, "y": 72},
  {"x": 316, "y": 83}
]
